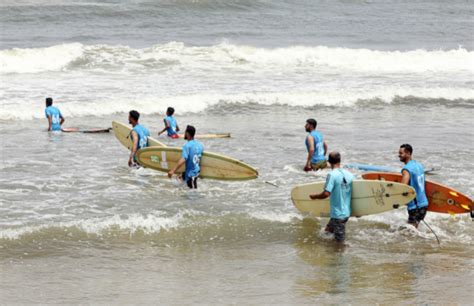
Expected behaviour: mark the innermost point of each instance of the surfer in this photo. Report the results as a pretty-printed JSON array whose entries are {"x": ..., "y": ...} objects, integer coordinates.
[
  {"x": 316, "y": 146},
  {"x": 171, "y": 126},
  {"x": 192, "y": 154},
  {"x": 339, "y": 188},
  {"x": 413, "y": 174},
  {"x": 54, "y": 116},
  {"x": 139, "y": 135}
]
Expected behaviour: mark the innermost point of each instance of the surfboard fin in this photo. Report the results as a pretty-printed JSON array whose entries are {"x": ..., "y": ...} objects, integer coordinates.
[
  {"x": 452, "y": 214},
  {"x": 465, "y": 207}
]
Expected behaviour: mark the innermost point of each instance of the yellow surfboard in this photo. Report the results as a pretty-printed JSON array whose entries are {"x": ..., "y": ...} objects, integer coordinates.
[
  {"x": 368, "y": 197},
  {"x": 122, "y": 132},
  {"x": 213, "y": 166}
]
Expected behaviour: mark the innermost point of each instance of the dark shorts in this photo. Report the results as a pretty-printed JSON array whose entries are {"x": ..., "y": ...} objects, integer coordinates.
[
  {"x": 416, "y": 215},
  {"x": 191, "y": 182},
  {"x": 338, "y": 227},
  {"x": 319, "y": 165}
]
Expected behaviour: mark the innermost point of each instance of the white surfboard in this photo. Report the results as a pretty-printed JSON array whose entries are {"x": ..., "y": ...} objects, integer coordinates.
[
  {"x": 213, "y": 166},
  {"x": 122, "y": 132},
  {"x": 367, "y": 198}
]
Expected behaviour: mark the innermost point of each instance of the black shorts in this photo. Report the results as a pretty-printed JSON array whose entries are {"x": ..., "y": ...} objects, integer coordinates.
[
  {"x": 191, "y": 182},
  {"x": 416, "y": 215},
  {"x": 338, "y": 227}
]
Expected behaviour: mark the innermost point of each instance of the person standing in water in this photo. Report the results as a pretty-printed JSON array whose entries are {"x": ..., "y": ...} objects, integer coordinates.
[
  {"x": 171, "y": 126},
  {"x": 139, "y": 136},
  {"x": 191, "y": 155},
  {"x": 54, "y": 116},
  {"x": 413, "y": 174},
  {"x": 316, "y": 147},
  {"x": 339, "y": 188}
]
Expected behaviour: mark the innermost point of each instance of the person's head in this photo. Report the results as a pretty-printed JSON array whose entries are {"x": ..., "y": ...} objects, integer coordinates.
[
  {"x": 49, "y": 102},
  {"x": 405, "y": 152},
  {"x": 310, "y": 125},
  {"x": 170, "y": 111},
  {"x": 133, "y": 117},
  {"x": 190, "y": 132},
  {"x": 334, "y": 158}
]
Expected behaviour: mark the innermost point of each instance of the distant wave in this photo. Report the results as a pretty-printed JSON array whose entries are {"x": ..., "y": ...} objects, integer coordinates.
[
  {"x": 450, "y": 97},
  {"x": 76, "y": 56}
]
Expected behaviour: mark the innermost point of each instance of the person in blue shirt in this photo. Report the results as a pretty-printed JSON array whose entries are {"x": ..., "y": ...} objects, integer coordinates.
[
  {"x": 413, "y": 174},
  {"x": 54, "y": 116},
  {"x": 339, "y": 188},
  {"x": 139, "y": 136},
  {"x": 192, "y": 154},
  {"x": 316, "y": 147},
  {"x": 171, "y": 126}
]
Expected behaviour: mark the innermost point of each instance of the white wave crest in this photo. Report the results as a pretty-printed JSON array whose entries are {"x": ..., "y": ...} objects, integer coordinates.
[
  {"x": 35, "y": 60},
  {"x": 149, "y": 224},
  {"x": 165, "y": 56},
  {"x": 200, "y": 102}
]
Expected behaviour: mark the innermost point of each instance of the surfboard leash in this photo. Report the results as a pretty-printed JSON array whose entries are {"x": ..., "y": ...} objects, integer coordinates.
[{"x": 439, "y": 243}]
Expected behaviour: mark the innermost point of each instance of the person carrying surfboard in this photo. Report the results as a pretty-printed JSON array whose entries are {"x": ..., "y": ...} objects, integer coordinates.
[
  {"x": 139, "y": 136},
  {"x": 191, "y": 155},
  {"x": 413, "y": 174},
  {"x": 339, "y": 188},
  {"x": 316, "y": 147},
  {"x": 171, "y": 126},
  {"x": 54, "y": 116}
]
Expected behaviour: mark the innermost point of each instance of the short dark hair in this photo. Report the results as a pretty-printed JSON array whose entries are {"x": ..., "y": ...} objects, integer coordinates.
[
  {"x": 134, "y": 114},
  {"x": 313, "y": 122},
  {"x": 170, "y": 111},
  {"x": 49, "y": 101},
  {"x": 334, "y": 158},
  {"x": 407, "y": 147},
  {"x": 191, "y": 130}
]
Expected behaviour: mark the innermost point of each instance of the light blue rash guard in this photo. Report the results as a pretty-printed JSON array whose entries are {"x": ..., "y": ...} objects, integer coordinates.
[
  {"x": 318, "y": 154},
  {"x": 339, "y": 184},
  {"x": 172, "y": 124},
  {"x": 417, "y": 181},
  {"x": 56, "y": 116},
  {"x": 143, "y": 135},
  {"x": 192, "y": 153}
]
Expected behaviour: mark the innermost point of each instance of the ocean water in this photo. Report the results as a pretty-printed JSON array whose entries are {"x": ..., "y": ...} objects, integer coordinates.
[{"x": 78, "y": 226}]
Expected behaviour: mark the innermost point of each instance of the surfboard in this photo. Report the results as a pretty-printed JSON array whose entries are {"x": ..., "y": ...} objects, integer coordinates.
[
  {"x": 365, "y": 167},
  {"x": 122, "y": 133},
  {"x": 209, "y": 136},
  {"x": 441, "y": 198},
  {"x": 82, "y": 130},
  {"x": 368, "y": 198},
  {"x": 213, "y": 165}
]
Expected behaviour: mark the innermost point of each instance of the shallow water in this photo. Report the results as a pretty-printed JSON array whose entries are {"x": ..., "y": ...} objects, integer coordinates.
[{"x": 77, "y": 222}]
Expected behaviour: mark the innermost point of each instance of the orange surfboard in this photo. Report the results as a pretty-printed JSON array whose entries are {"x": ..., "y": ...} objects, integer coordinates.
[{"x": 441, "y": 199}]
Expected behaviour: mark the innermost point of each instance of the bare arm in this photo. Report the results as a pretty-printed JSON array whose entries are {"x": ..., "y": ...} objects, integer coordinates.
[
  {"x": 134, "y": 148},
  {"x": 179, "y": 164},
  {"x": 325, "y": 148},
  {"x": 50, "y": 123},
  {"x": 62, "y": 120},
  {"x": 320, "y": 196},
  {"x": 166, "y": 127},
  {"x": 307, "y": 167},
  {"x": 405, "y": 177}
]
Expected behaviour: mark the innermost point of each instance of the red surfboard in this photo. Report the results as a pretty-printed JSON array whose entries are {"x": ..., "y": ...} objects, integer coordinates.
[{"x": 441, "y": 199}]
